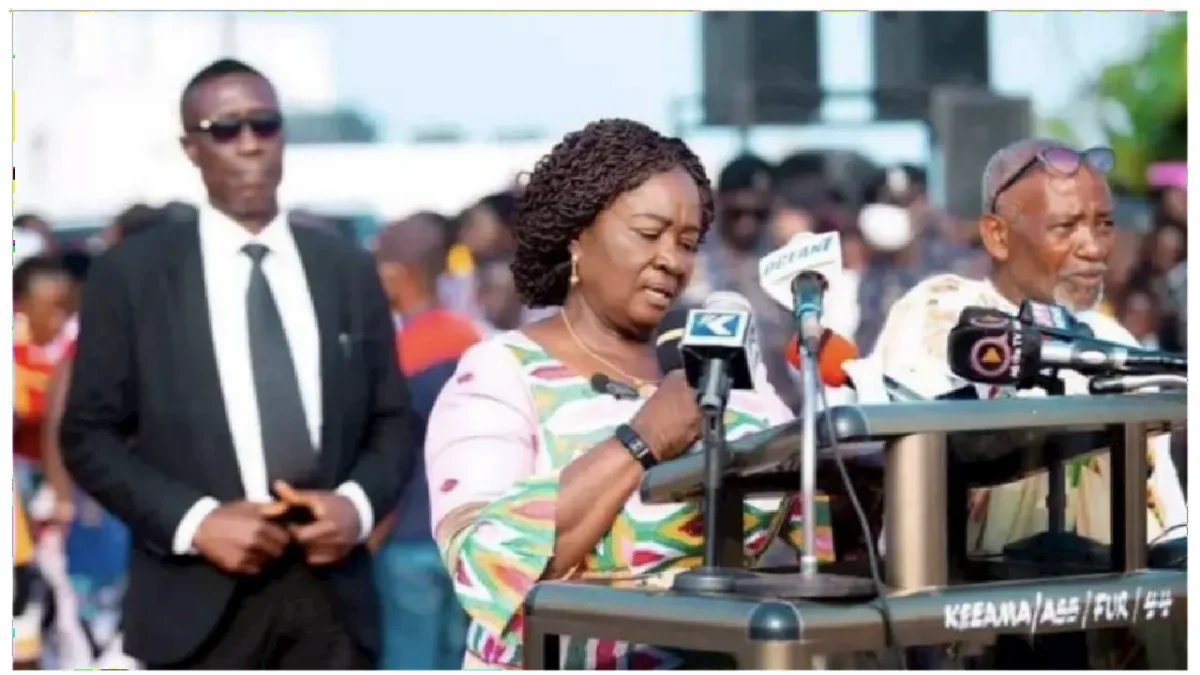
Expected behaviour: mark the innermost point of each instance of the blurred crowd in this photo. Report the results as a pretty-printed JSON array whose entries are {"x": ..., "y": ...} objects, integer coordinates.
[
  {"x": 892, "y": 236},
  {"x": 71, "y": 555}
]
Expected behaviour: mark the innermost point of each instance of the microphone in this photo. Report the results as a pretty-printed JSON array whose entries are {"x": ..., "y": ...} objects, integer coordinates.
[
  {"x": 1125, "y": 384},
  {"x": 833, "y": 352},
  {"x": 1098, "y": 357},
  {"x": 666, "y": 347},
  {"x": 719, "y": 348},
  {"x": 666, "y": 344},
  {"x": 604, "y": 384},
  {"x": 719, "y": 351},
  {"x": 797, "y": 274},
  {"x": 1049, "y": 320},
  {"x": 985, "y": 350},
  {"x": 1052, "y": 320}
]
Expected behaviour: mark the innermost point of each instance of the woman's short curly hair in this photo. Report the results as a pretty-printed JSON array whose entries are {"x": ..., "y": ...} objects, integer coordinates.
[{"x": 577, "y": 180}]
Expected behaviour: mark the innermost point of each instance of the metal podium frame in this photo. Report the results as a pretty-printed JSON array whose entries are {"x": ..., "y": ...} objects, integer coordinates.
[{"x": 775, "y": 633}]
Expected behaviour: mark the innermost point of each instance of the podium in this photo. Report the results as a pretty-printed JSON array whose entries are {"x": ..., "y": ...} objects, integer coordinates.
[{"x": 993, "y": 440}]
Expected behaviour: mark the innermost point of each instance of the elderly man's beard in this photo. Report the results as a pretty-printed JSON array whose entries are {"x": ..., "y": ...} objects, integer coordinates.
[{"x": 1078, "y": 301}]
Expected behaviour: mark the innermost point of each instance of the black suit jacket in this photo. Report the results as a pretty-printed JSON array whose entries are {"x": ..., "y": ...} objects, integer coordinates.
[{"x": 145, "y": 432}]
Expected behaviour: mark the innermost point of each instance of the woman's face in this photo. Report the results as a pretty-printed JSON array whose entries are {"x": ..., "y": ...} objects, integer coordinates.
[{"x": 638, "y": 255}]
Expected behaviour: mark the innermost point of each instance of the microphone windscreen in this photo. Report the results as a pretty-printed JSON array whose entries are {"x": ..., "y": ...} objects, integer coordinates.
[
  {"x": 835, "y": 351},
  {"x": 666, "y": 343},
  {"x": 599, "y": 382},
  {"x": 984, "y": 354}
]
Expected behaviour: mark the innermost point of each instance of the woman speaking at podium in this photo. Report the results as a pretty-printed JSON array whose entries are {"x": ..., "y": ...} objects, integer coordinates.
[{"x": 533, "y": 474}]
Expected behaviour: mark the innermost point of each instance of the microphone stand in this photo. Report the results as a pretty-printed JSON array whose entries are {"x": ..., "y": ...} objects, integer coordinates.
[
  {"x": 1056, "y": 546},
  {"x": 808, "y": 460},
  {"x": 712, "y": 577},
  {"x": 810, "y": 583}
]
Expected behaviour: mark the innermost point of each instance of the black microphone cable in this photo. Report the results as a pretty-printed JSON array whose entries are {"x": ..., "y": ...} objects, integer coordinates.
[
  {"x": 1162, "y": 536},
  {"x": 889, "y": 630}
]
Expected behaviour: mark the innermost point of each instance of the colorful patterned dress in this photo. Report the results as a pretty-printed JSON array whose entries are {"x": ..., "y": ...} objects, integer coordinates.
[{"x": 500, "y": 434}]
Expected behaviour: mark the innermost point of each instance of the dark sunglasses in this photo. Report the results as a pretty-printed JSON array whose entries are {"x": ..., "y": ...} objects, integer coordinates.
[
  {"x": 1062, "y": 162},
  {"x": 225, "y": 129}
]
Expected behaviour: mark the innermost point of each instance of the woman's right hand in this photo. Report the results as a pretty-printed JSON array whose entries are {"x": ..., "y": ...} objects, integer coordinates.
[{"x": 669, "y": 421}]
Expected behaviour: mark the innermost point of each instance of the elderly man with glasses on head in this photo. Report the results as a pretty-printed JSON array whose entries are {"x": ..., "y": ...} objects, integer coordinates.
[{"x": 1047, "y": 226}]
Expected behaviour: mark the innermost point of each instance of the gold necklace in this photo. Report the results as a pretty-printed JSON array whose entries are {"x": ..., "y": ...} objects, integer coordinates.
[{"x": 643, "y": 386}]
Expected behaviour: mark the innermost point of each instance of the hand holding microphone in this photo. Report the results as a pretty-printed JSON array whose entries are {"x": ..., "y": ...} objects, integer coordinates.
[
  {"x": 669, "y": 421},
  {"x": 719, "y": 348},
  {"x": 687, "y": 347}
]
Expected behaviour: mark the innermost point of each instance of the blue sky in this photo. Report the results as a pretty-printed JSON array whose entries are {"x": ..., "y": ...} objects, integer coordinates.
[{"x": 484, "y": 72}]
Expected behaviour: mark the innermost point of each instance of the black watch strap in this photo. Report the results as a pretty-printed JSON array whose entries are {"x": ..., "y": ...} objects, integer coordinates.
[{"x": 635, "y": 445}]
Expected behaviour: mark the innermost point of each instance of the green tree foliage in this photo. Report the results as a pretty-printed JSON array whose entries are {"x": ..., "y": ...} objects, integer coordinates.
[{"x": 1143, "y": 106}]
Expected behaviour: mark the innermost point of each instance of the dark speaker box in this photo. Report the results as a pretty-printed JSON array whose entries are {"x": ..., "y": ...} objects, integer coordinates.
[
  {"x": 969, "y": 126},
  {"x": 760, "y": 67},
  {"x": 916, "y": 51}
]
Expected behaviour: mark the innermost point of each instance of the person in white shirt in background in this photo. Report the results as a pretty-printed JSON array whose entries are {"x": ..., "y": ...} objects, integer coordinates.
[
  {"x": 1047, "y": 227},
  {"x": 881, "y": 227}
]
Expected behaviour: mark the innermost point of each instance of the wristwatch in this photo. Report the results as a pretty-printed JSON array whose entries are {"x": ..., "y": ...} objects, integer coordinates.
[{"x": 636, "y": 446}]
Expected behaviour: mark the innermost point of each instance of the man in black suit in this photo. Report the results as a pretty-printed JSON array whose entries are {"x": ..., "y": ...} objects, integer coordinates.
[{"x": 236, "y": 402}]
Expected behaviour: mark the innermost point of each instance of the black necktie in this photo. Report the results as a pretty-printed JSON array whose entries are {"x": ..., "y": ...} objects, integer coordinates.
[{"x": 287, "y": 446}]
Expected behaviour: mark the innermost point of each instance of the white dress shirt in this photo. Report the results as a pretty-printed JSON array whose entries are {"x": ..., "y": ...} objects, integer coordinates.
[{"x": 226, "y": 279}]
